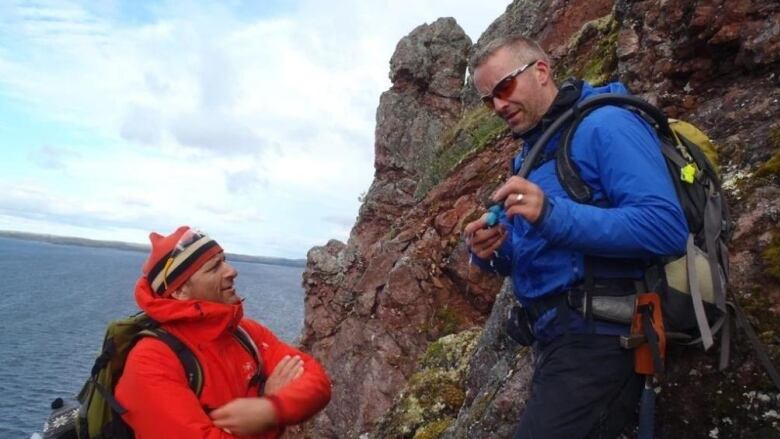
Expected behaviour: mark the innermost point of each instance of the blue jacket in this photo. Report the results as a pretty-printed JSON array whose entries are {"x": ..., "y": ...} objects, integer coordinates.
[{"x": 635, "y": 215}]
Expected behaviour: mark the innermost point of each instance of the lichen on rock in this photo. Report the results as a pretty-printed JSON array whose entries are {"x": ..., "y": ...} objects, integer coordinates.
[
  {"x": 430, "y": 401},
  {"x": 433, "y": 430}
]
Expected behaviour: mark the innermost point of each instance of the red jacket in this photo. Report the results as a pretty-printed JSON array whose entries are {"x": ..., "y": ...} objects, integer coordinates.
[{"x": 154, "y": 390}]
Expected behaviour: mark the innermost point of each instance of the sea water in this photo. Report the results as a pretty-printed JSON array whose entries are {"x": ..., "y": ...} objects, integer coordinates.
[{"x": 55, "y": 302}]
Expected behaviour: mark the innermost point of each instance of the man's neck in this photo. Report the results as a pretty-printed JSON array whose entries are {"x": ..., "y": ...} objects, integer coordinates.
[{"x": 561, "y": 100}]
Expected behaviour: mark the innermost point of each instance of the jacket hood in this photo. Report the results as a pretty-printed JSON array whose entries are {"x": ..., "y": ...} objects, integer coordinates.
[
  {"x": 613, "y": 87},
  {"x": 207, "y": 319}
]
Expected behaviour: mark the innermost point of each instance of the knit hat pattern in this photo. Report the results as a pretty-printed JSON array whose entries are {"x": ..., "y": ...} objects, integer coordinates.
[{"x": 176, "y": 257}]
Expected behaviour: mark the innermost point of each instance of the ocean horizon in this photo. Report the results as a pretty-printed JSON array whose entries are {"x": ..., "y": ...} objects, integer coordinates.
[{"x": 57, "y": 300}]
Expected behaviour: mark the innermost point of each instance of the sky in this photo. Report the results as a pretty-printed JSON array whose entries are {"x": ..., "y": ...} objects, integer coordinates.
[{"x": 250, "y": 120}]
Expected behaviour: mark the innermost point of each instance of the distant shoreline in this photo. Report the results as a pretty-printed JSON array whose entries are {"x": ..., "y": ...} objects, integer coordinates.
[{"x": 118, "y": 245}]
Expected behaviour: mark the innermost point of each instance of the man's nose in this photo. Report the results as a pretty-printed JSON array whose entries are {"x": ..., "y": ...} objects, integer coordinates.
[
  {"x": 499, "y": 105},
  {"x": 232, "y": 272}
]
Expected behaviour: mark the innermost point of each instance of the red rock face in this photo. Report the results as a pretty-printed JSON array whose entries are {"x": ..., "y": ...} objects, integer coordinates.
[
  {"x": 371, "y": 313},
  {"x": 374, "y": 304},
  {"x": 403, "y": 280},
  {"x": 567, "y": 18}
]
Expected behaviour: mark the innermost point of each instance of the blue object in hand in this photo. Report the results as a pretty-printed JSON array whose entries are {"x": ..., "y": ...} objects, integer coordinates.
[{"x": 494, "y": 214}]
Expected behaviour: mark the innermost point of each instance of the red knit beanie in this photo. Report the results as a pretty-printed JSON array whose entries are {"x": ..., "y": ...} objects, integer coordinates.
[{"x": 174, "y": 258}]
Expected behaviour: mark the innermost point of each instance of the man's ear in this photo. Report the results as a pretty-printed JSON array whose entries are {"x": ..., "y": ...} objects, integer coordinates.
[
  {"x": 474, "y": 80},
  {"x": 543, "y": 73}
]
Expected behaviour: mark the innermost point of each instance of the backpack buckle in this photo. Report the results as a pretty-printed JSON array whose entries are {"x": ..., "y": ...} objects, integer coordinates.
[{"x": 688, "y": 173}]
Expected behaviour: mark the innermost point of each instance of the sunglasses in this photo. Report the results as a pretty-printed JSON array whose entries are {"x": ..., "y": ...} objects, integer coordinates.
[{"x": 506, "y": 86}]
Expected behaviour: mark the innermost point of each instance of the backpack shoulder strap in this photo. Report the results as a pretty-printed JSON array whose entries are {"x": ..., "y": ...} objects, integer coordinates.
[
  {"x": 568, "y": 173},
  {"x": 192, "y": 367},
  {"x": 249, "y": 345},
  {"x": 579, "y": 110}
]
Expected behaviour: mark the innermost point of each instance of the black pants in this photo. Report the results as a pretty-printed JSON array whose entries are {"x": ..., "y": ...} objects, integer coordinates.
[{"x": 584, "y": 386}]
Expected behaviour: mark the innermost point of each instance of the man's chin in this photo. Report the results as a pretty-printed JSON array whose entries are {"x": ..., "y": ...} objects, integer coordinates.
[
  {"x": 522, "y": 127},
  {"x": 517, "y": 126},
  {"x": 231, "y": 297},
  {"x": 519, "y": 130}
]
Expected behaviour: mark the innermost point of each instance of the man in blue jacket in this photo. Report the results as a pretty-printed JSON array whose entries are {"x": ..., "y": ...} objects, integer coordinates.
[{"x": 584, "y": 385}]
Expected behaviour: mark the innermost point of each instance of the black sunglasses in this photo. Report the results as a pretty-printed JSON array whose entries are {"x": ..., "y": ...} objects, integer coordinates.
[{"x": 506, "y": 86}]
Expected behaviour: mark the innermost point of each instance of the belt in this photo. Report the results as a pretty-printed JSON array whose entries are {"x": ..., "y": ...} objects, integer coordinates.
[{"x": 575, "y": 296}]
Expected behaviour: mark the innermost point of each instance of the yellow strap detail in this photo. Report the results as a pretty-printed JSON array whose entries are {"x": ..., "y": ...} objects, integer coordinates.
[
  {"x": 688, "y": 173},
  {"x": 168, "y": 264}
]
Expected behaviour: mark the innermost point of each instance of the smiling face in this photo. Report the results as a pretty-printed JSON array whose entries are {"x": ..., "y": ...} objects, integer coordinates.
[
  {"x": 212, "y": 282},
  {"x": 529, "y": 95}
]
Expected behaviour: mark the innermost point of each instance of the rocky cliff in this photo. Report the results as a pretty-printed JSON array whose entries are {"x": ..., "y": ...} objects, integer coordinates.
[{"x": 412, "y": 334}]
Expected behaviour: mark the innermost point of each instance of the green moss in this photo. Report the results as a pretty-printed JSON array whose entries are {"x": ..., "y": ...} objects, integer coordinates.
[
  {"x": 479, "y": 126},
  {"x": 602, "y": 60},
  {"x": 448, "y": 320},
  {"x": 598, "y": 64},
  {"x": 444, "y": 321},
  {"x": 433, "y": 430},
  {"x": 488, "y": 129},
  {"x": 437, "y": 390},
  {"x": 771, "y": 168},
  {"x": 771, "y": 257},
  {"x": 476, "y": 129},
  {"x": 433, "y": 354},
  {"x": 774, "y": 135}
]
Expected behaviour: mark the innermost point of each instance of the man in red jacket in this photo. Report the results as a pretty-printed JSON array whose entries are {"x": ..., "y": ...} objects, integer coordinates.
[{"x": 187, "y": 287}]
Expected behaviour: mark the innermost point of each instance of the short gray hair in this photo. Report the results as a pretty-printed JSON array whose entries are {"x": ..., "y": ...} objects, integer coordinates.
[{"x": 524, "y": 48}]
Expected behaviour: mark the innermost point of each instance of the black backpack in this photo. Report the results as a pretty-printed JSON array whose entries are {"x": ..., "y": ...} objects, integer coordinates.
[{"x": 693, "y": 288}]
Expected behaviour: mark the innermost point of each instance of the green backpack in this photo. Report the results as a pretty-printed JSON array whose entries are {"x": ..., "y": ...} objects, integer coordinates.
[{"x": 100, "y": 413}]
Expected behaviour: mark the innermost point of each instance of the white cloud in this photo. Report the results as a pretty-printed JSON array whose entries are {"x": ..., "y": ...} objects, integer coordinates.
[
  {"x": 141, "y": 124},
  {"x": 52, "y": 157},
  {"x": 258, "y": 128}
]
